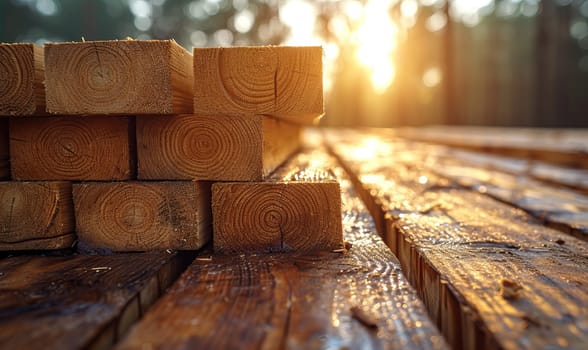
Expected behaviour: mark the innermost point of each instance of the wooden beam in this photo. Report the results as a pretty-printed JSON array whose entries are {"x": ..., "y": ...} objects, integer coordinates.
[
  {"x": 293, "y": 301},
  {"x": 118, "y": 77},
  {"x": 79, "y": 301},
  {"x": 283, "y": 82},
  {"x": 21, "y": 80},
  {"x": 137, "y": 216},
  {"x": 212, "y": 148},
  {"x": 4, "y": 154},
  {"x": 296, "y": 209},
  {"x": 491, "y": 275},
  {"x": 36, "y": 215},
  {"x": 72, "y": 148}
]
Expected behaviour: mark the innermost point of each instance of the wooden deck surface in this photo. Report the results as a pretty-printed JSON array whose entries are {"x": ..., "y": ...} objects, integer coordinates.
[{"x": 449, "y": 246}]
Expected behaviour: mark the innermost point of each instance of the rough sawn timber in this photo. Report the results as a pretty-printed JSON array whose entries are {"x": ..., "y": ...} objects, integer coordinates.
[
  {"x": 78, "y": 301},
  {"x": 565, "y": 147},
  {"x": 217, "y": 148},
  {"x": 298, "y": 208},
  {"x": 558, "y": 206},
  {"x": 279, "y": 81},
  {"x": 118, "y": 77},
  {"x": 293, "y": 301},
  {"x": 36, "y": 215},
  {"x": 491, "y": 275},
  {"x": 72, "y": 148},
  {"x": 4, "y": 154},
  {"x": 138, "y": 216},
  {"x": 22, "y": 92}
]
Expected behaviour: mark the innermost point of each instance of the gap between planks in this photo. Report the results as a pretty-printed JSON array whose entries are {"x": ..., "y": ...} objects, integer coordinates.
[{"x": 65, "y": 301}]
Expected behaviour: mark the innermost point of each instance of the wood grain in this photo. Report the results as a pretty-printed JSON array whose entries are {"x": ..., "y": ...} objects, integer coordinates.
[
  {"x": 458, "y": 247},
  {"x": 78, "y": 301},
  {"x": 561, "y": 147},
  {"x": 36, "y": 215},
  {"x": 286, "y": 300},
  {"x": 118, "y": 77},
  {"x": 553, "y": 175},
  {"x": 22, "y": 74},
  {"x": 137, "y": 216},
  {"x": 72, "y": 148},
  {"x": 559, "y": 207},
  {"x": 283, "y": 82},
  {"x": 4, "y": 154},
  {"x": 296, "y": 209},
  {"x": 212, "y": 147}
]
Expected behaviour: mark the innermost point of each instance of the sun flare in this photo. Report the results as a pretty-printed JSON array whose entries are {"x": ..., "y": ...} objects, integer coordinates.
[{"x": 376, "y": 39}]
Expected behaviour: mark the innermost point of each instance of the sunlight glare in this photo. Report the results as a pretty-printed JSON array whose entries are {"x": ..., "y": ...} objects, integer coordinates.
[
  {"x": 432, "y": 77},
  {"x": 382, "y": 76},
  {"x": 300, "y": 17},
  {"x": 370, "y": 147},
  {"x": 377, "y": 40}
]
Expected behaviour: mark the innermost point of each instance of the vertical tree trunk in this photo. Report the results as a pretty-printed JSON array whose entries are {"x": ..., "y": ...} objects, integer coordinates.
[{"x": 452, "y": 116}]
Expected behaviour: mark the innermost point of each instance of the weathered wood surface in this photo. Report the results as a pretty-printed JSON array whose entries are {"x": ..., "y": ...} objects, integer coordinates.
[
  {"x": 118, "y": 77},
  {"x": 138, "y": 216},
  {"x": 563, "y": 147},
  {"x": 4, "y": 154},
  {"x": 36, "y": 215},
  {"x": 560, "y": 207},
  {"x": 21, "y": 80},
  {"x": 283, "y": 82},
  {"x": 293, "y": 301},
  {"x": 78, "y": 301},
  {"x": 298, "y": 208},
  {"x": 72, "y": 148},
  {"x": 576, "y": 179},
  {"x": 213, "y": 147},
  {"x": 490, "y": 274}
]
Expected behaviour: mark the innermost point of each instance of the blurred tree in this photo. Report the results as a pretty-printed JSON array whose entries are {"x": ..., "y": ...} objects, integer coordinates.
[{"x": 190, "y": 22}]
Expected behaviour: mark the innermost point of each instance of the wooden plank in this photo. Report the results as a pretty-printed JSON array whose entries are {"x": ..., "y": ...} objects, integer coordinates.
[
  {"x": 561, "y": 147},
  {"x": 212, "y": 147},
  {"x": 118, "y": 77},
  {"x": 22, "y": 74},
  {"x": 79, "y": 301},
  {"x": 490, "y": 275},
  {"x": 283, "y": 82},
  {"x": 36, "y": 215},
  {"x": 137, "y": 216},
  {"x": 296, "y": 209},
  {"x": 560, "y": 207},
  {"x": 576, "y": 179},
  {"x": 4, "y": 154},
  {"x": 72, "y": 148},
  {"x": 293, "y": 301}
]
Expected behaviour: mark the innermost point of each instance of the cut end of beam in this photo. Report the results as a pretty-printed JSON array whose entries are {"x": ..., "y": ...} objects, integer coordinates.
[
  {"x": 71, "y": 148},
  {"x": 297, "y": 209},
  {"x": 118, "y": 77},
  {"x": 21, "y": 76},
  {"x": 36, "y": 215},
  {"x": 4, "y": 154},
  {"x": 282, "y": 82},
  {"x": 217, "y": 148},
  {"x": 139, "y": 216}
]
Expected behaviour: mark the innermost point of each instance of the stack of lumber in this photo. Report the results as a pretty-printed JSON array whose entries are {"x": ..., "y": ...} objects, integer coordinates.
[
  {"x": 120, "y": 148},
  {"x": 351, "y": 298}
]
